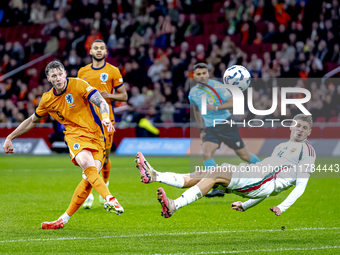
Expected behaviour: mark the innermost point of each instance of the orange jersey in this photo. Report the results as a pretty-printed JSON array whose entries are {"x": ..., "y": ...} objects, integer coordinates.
[
  {"x": 72, "y": 108},
  {"x": 105, "y": 78}
]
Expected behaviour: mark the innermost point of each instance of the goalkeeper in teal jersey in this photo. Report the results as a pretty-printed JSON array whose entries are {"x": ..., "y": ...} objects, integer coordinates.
[{"x": 218, "y": 101}]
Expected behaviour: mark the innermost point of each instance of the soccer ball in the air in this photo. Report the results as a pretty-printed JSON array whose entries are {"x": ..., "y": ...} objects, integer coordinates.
[{"x": 238, "y": 76}]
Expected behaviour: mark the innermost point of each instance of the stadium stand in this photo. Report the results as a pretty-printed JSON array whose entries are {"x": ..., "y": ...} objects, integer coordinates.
[{"x": 156, "y": 44}]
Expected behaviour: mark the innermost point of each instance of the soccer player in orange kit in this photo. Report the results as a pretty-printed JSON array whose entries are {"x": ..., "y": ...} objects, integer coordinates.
[
  {"x": 69, "y": 102},
  {"x": 108, "y": 80}
]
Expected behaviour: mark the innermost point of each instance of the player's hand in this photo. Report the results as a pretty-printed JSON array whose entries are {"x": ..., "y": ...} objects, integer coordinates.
[
  {"x": 237, "y": 206},
  {"x": 276, "y": 210},
  {"x": 106, "y": 122},
  {"x": 210, "y": 107},
  {"x": 105, "y": 94},
  {"x": 8, "y": 146}
]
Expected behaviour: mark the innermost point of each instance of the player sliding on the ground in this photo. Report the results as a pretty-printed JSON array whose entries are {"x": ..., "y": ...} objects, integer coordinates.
[
  {"x": 68, "y": 103},
  {"x": 290, "y": 164}
]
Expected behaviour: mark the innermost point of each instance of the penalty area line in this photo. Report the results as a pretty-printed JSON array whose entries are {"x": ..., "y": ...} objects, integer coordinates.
[{"x": 162, "y": 234}]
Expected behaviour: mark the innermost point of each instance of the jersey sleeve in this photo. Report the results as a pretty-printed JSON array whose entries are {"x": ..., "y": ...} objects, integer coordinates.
[
  {"x": 81, "y": 73},
  {"x": 252, "y": 202},
  {"x": 301, "y": 184},
  {"x": 84, "y": 89},
  {"x": 190, "y": 97},
  {"x": 117, "y": 78},
  {"x": 307, "y": 158},
  {"x": 41, "y": 109}
]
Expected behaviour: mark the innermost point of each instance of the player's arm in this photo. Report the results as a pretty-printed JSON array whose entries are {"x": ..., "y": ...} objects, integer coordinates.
[
  {"x": 24, "y": 127},
  {"x": 120, "y": 94},
  {"x": 99, "y": 101},
  {"x": 304, "y": 168},
  {"x": 239, "y": 206},
  {"x": 297, "y": 192}
]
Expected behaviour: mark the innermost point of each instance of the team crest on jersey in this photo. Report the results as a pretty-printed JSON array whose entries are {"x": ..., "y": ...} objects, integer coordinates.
[
  {"x": 69, "y": 98},
  {"x": 293, "y": 150},
  {"x": 76, "y": 146},
  {"x": 104, "y": 77}
]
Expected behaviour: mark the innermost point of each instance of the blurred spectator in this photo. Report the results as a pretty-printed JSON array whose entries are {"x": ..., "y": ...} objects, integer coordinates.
[
  {"x": 167, "y": 112},
  {"x": 52, "y": 45},
  {"x": 94, "y": 35},
  {"x": 291, "y": 39},
  {"x": 99, "y": 25},
  {"x": 137, "y": 99},
  {"x": 155, "y": 70},
  {"x": 270, "y": 36},
  {"x": 335, "y": 57},
  {"x": 322, "y": 51},
  {"x": 194, "y": 28}
]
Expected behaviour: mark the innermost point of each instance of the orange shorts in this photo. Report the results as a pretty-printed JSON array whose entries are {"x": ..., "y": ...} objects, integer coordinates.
[
  {"x": 109, "y": 138},
  {"x": 94, "y": 144}
]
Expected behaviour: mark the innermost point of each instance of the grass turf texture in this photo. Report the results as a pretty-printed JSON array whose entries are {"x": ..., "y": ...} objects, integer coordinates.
[{"x": 37, "y": 189}]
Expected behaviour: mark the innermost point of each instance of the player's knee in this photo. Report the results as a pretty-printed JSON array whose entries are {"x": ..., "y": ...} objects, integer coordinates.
[
  {"x": 84, "y": 163},
  {"x": 214, "y": 173}
]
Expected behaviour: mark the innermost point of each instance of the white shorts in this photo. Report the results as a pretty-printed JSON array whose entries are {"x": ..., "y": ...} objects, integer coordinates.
[{"x": 243, "y": 184}]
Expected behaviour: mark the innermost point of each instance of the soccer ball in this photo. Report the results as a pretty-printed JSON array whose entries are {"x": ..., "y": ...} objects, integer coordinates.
[{"x": 238, "y": 76}]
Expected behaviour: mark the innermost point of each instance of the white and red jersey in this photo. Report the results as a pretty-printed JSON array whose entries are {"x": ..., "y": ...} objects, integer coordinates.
[{"x": 292, "y": 164}]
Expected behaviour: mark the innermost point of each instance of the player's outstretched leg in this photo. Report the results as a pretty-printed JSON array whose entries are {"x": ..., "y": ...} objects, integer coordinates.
[
  {"x": 148, "y": 174},
  {"x": 54, "y": 224},
  {"x": 113, "y": 206},
  {"x": 168, "y": 205}
]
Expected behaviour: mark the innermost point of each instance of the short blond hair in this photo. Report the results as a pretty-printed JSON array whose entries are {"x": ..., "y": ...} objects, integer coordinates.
[{"x": 303, "y": 117}]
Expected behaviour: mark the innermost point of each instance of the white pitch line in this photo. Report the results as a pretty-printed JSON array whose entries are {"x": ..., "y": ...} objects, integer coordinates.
[
  {"x": 262, "y": 250},
  {"x": 163, "y": 234}
]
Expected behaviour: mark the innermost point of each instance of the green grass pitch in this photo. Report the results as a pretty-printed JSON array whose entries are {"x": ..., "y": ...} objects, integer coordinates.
[{"x": 37, "y": 189}]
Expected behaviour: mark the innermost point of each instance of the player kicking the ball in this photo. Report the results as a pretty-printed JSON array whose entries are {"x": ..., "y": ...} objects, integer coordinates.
[
  {"x": 290, "y": 165},
  {"x": 68, "y": 103}
]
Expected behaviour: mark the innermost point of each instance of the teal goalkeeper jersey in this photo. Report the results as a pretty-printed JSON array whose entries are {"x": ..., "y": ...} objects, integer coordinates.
[{"x": 211, "y": 92}]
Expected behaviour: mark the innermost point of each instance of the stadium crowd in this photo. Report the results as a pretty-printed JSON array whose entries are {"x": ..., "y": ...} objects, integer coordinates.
[{"x": 155, "y": 44}]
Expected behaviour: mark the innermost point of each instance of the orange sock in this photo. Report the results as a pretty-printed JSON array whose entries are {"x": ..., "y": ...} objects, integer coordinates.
[
  {"x": 96, "y": 181},
  {"x": 79, "y": 196},
  {"x": 106, "y": 171}
]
